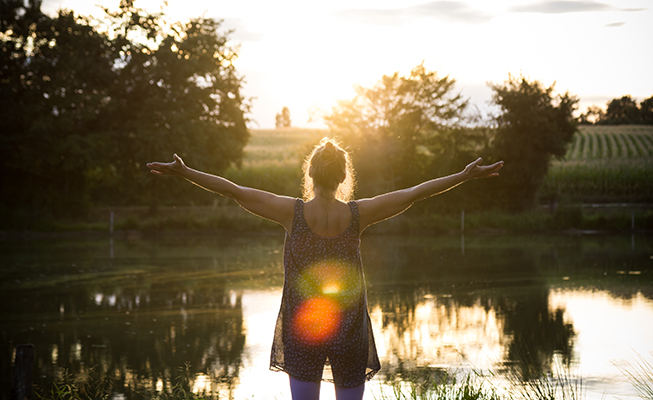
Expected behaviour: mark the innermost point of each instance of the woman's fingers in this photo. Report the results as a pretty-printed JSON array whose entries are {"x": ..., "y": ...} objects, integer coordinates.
[
  {"x": 171, "y": 168},
  {"x": 158, "y": 168},
  {"x": 487, "y": 171}
]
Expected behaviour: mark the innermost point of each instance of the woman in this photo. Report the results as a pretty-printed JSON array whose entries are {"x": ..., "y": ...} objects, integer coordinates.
[{"x": 323, "y": 318}]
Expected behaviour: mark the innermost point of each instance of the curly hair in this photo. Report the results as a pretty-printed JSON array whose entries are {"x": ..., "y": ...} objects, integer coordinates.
[{"x": 329, "y": 166}]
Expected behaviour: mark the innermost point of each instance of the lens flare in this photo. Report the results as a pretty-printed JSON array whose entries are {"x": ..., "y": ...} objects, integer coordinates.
[
  {"x": 316, "y": 320},
  {"x": 331, "y": 288},
  {"x": 340, "y": 283}
]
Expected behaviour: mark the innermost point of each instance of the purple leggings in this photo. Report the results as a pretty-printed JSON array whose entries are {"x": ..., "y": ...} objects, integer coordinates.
[{"x": 311, "y": 391}]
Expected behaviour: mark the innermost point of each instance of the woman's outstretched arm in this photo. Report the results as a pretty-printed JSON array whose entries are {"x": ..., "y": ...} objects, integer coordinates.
[
  {"x": 264, "y": 204},
  {"x": 390, "y": 204}
]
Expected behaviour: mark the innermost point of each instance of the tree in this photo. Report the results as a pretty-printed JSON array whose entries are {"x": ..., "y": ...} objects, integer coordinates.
[
  {"x": 593, "y": 115},
  {"x": 176, "y": 92},
  {"x": 53, "y": 91},
  {"x": 86, "y": 109},
  {"x": 534, "y": 126},
  {"x": 622, "y": 111},
  {"x": 646, "y": 111},
  {"x": 283, "y": 119},
  {"x": 402, "y": 129}
]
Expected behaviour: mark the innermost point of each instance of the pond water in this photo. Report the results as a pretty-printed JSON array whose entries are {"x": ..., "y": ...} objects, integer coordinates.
[{"x": 144, "y": 309}]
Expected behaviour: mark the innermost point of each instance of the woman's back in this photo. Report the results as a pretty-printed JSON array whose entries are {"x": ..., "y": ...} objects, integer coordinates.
[{"x": 327, "y": 218}]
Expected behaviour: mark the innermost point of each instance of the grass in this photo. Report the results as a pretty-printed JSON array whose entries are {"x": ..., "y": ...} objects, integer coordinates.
[
  {"x": 641, "y": 376},
  {"x": 229, "y": 217},
  {"x": 91, "y": 386},
  {"x": 560, "y": 384},
  {"x": 435, "y": 384},
  {"x": 424, "y": 384}
]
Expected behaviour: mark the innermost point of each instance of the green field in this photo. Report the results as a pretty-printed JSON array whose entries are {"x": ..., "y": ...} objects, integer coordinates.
[
  {"x": 273, "y": 159},
  {"x": 605, "y": 164},
  {"x": 602, "y": 142}
]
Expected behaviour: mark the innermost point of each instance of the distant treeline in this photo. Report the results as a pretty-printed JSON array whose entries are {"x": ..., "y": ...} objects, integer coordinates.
[{"x": 623, "y": 111}]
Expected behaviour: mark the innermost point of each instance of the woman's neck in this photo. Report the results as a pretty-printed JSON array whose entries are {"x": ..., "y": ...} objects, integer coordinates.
[{"x": 324, "y": 195}]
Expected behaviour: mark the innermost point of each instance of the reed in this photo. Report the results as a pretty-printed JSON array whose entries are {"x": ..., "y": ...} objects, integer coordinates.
[
  {"x": 640, "y": 374},
  {"x": 430, "y": 384}
]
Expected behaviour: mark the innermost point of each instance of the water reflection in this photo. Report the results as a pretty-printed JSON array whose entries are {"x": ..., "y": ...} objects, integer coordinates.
[
  {"x": 150, "y": 308},
  {"x": 492, "y": 302}
]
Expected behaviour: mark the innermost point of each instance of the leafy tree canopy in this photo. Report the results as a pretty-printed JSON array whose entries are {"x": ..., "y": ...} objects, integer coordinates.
[
  {"x": 534, "y": 125},
  {"x": 283, "y": 119},
  {"x": 402, "y": 129},
  {"x": 88, "y": 102},
  {"x": 621, "y": 111}
]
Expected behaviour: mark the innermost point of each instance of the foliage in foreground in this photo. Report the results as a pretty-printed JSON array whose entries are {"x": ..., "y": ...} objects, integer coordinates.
[
  {"x": 440, "y": 385},
  {"x": 424, "y": 384}
]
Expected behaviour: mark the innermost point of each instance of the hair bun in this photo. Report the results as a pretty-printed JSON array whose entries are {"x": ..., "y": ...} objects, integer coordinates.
[{"x": 329, "y": 145}]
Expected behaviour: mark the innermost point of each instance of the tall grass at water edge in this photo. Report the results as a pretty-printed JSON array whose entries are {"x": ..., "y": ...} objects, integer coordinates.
[
  {"x": 425, "y": 384},
  {"x": 640, "y": 374}
]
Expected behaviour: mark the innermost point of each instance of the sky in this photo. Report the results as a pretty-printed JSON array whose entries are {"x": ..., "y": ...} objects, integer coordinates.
[{"x": 308, "y": 54}]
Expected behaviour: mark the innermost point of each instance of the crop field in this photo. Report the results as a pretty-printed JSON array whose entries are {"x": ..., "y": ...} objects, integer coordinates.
[
  {"x": 604, "y": 164},
  {"x": 631, "y": 142},
  {"x": 273, "y": 159},
  {"x": 612, "y": 164}
]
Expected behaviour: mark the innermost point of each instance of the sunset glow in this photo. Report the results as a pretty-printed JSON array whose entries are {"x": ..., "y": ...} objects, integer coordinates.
[{"x": 308, "y": 55}]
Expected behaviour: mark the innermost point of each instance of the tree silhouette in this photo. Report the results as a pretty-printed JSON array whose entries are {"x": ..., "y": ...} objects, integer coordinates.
[
  {"x": 402, "y": 129},
  {"x": 84, "y": 109},
  {"x": 622, "y": 111},
  {"x": 534, "y": 126},
  {"x": 283, "y": 119},
  {"x": 646, "y": 111}
]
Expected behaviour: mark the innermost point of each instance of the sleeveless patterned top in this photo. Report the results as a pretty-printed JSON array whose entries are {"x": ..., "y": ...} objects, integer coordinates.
[{"x": 324, "y": 303}]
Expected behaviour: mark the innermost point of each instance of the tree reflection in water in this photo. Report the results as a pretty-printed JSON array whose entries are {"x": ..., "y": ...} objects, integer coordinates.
[
  {"x": 484, "y": 303},
  {"x": 157, "y": 305},
  {"x": 140, "y": 320}
]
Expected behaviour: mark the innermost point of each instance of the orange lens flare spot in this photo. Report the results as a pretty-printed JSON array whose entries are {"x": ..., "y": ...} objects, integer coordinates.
[{"x": 316, "y": 320}]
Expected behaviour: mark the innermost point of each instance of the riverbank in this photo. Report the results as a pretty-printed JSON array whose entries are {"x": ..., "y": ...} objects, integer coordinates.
[{"x": 188, "y": 220}]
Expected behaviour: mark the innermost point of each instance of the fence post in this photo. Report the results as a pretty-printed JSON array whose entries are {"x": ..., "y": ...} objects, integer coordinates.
[
  {"x": 21, "y": 381},
  {"x": 462, "y": 221},
  {"x": 632, "y": 219}
]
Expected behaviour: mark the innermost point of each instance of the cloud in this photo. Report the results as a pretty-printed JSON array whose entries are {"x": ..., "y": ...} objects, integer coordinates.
[
  {"x": 563, "y": 7},
  {"x": 615, "y": 24},
  {"x": 448, "y": 11}
]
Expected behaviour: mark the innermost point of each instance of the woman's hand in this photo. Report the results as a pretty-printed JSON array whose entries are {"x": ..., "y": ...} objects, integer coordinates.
[
  {"x": 175, "y": 168},
  {"x": 476, "y": 171}
]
